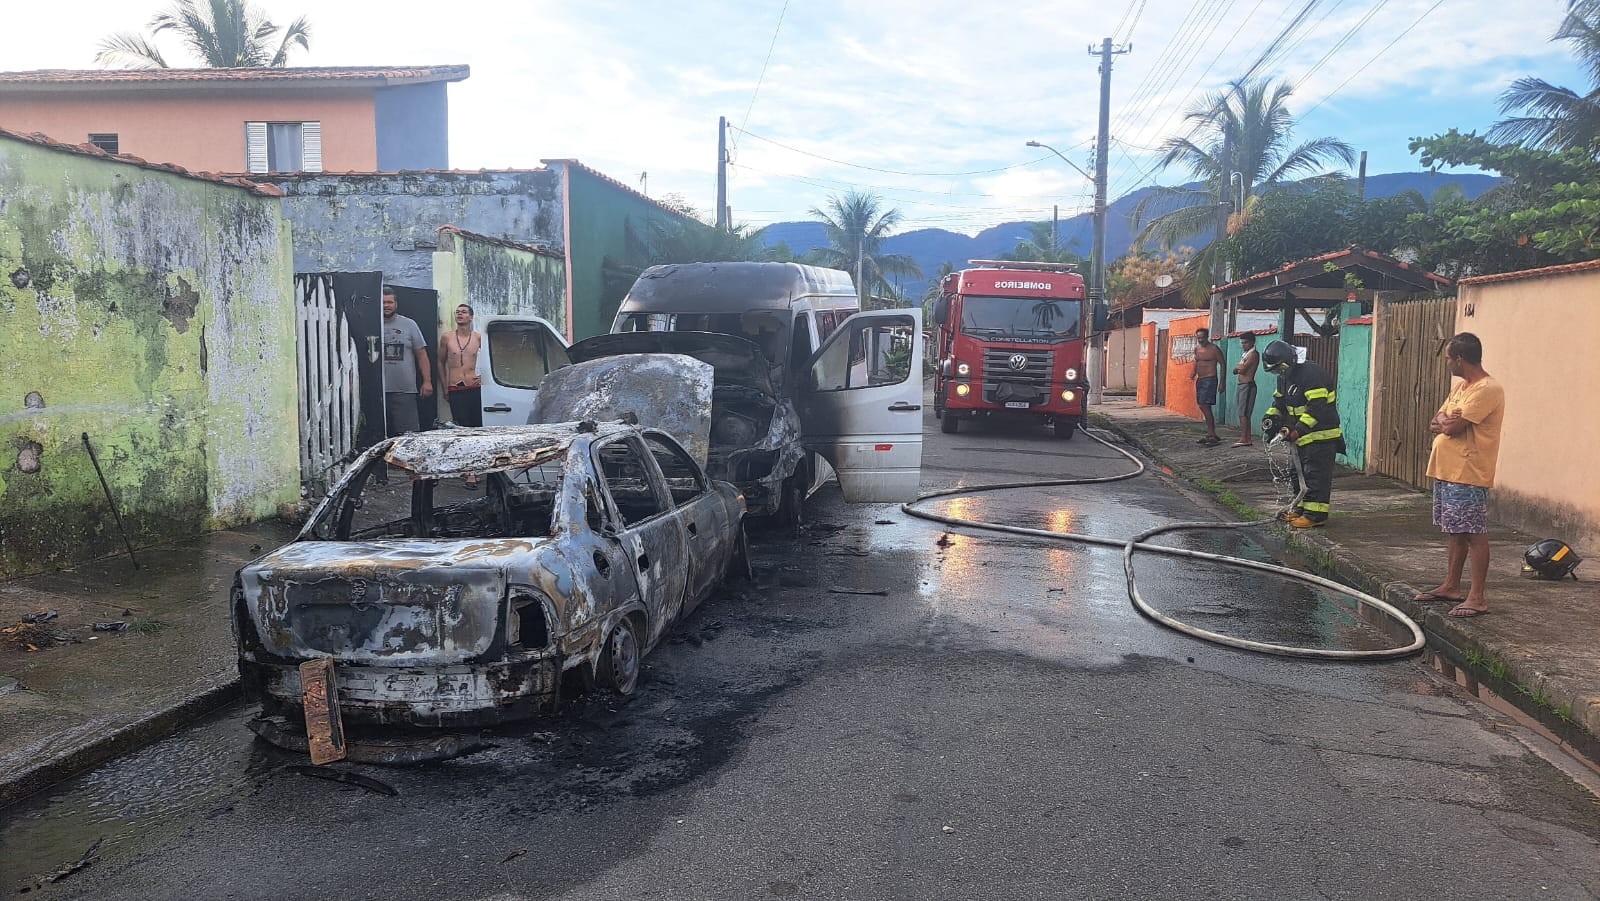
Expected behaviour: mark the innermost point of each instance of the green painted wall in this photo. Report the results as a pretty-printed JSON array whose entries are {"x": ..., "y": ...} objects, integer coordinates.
[
  {"x": 153, "y": 312},
  {"x": 1355, "y": 383},
  {"x": 603, "y": 247},
  {"x": 495, "y": 279}
]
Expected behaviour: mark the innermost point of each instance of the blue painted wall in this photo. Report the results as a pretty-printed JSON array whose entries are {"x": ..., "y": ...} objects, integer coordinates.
[{"x": 413, "y": 124}]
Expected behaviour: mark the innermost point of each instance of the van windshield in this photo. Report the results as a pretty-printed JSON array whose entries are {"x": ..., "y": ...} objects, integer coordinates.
[
  {"x": 767, "y": 329},
  {"x": 1021, "y": 317}
]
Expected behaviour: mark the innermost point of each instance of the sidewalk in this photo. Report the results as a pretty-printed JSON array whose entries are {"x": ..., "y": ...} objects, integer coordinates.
[
  {"x": 1537, "y": 647},
  {"x": 83, "y": 697}
]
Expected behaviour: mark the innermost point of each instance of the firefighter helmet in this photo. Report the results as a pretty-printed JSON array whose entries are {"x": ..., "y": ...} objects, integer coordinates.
[
  {"x": 1551, "y": 558},
  {"x": 1279, "y": 356}
]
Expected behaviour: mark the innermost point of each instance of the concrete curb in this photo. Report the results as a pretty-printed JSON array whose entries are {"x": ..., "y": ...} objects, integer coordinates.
[
  {"x": 1516, "y": 683},
  {"x": 138, "y": 734}
]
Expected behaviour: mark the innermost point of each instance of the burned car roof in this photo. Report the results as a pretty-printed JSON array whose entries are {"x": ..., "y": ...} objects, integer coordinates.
[
  {"x": 737, "y": 360},
  {"x": 733, "y": 287},
  {"x": 444, "y": 453}
]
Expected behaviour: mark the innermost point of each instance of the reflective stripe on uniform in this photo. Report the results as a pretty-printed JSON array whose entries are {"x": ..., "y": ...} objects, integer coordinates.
[
  {"x": 1314, "y": 507},
  {"x": 1308, "y": 419},
  {"x": 1315, "y": 393},
  {"x": 1324, "y": 435}
]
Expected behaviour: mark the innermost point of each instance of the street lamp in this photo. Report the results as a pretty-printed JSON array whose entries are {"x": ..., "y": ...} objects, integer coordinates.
[{"x": 1097, "y": 269}]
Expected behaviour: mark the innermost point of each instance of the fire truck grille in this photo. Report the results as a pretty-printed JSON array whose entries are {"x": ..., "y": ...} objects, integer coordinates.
[{"x": 1001, "y": 366}]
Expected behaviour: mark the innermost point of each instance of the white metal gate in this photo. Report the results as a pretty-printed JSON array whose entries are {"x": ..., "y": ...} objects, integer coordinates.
[{"x": 330, "y": 395}]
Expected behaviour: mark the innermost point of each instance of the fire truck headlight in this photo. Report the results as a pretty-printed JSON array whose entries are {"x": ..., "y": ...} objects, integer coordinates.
[
  {"x": 1072, "y": 375},
  {"x": 963, "y": 369},
  {"x": 1068, "y": 396},
  {"x": 963, "y": 390}
]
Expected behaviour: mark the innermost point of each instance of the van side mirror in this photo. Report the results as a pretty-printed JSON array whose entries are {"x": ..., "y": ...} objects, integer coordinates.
[{"x": 941, "y": 309}]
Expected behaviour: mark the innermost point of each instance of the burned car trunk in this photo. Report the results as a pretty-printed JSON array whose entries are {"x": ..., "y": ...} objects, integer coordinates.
[
  {"x": 444, "y": 604},
  {"x": 754, "y": 434}
]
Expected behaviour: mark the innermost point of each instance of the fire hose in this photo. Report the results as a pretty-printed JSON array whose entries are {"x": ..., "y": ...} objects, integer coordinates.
[{"x": 1141, "y": 543}]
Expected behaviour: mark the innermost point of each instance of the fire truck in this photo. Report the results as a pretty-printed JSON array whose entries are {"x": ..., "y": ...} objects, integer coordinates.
[{"x": 1013, "y": 339}]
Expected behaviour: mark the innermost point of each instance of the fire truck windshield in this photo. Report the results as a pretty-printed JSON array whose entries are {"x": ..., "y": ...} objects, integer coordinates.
[{"x": 1020, "y": 317}]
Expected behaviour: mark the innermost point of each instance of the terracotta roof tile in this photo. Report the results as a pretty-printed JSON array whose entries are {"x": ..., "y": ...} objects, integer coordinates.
[
  {"x": 160, "y": 77},
  {"x": 1330, "y": 257},
  {"x": 91, "y": 150},
  {"x": 1545, "y": 272}
]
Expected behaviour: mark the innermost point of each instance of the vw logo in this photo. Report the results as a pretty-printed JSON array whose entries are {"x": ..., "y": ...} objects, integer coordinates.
[{"x": 1019, "y": 362}]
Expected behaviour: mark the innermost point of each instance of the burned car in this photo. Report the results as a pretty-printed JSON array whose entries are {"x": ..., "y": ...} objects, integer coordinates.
[{"x": 440, "y": 603}]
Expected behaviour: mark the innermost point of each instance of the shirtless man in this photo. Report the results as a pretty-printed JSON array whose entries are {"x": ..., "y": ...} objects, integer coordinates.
[
  {"x": 1246, "y": 389},
  {"x": 458, "y": 358},
  {"x": 1207, "y": 363}
]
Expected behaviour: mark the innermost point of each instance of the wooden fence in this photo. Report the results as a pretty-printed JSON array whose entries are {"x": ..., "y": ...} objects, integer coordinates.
[
  {"x": 1322, "y": 350},
  {"x": 1410, "y": 379},
  {"x": 330, "y": 395}
]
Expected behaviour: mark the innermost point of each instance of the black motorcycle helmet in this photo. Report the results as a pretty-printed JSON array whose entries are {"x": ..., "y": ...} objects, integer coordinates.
[
  {"x": 1279, "y": 356},
  {"x": 1551, "y": 558}
]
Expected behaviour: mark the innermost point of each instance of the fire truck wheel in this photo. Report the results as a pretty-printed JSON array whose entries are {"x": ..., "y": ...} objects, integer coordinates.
[
  {"x": 949, "y": 424},
  {"x": 1066, "y": 428}
]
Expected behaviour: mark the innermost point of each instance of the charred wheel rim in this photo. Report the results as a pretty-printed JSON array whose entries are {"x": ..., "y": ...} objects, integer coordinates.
[{"x": 622, "y": 659}]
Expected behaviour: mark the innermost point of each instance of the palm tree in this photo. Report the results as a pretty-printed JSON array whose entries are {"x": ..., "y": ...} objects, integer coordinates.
[
  {"x": 856, "y": 226},
  {"x": 224, "y": 34},
  {"x": 1042, "y": 246},
  {"x": 1557, "y": 118},
  {"x": 1252, "y": 119}
]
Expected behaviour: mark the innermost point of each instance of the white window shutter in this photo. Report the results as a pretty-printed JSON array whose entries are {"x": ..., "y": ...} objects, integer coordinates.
[
  {"x": 311, "y": 146},
  {"x": 255, "y": 146}
]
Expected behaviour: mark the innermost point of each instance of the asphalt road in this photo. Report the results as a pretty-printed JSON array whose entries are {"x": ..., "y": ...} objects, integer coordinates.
[{"x": 1000, "y": 724}]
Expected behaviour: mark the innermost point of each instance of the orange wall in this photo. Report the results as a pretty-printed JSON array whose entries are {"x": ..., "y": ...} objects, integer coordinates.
[
  {"x": 1538, "y": 342},
  {"x": 1149, "y": 332},
  {"x": 202, "y": 131},
  {"x": 1180, "y": 364}
]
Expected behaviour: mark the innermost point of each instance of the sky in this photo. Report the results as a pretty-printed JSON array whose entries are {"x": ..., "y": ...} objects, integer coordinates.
[{"x": 929, "y": 104}]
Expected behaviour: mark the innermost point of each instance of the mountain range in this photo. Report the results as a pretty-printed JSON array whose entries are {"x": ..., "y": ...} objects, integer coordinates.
[{"x": 931, "y": 247}]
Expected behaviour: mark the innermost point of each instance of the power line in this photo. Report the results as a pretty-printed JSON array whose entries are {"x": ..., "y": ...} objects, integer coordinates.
[
  {"x": 1344, "y": 40},
  {"x": 763, "y": 76},
  {"x": 1136, "y": 16},
  {"x": 887, "y": 188},
  {"x": 1426, "y": 13},
  {"x": 829, "y": 159}
]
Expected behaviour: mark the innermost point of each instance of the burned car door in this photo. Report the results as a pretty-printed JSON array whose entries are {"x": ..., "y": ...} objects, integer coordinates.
[
  {"x": 648, "y": 528},
  {"x": 518, "y": 352},
  {"x": 709, "y": 530},
  {"x": 861, "y": 405}
]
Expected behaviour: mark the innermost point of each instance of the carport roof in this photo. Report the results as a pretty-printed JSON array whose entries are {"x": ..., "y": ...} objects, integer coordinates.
[{"x": 1326, "y": 272}]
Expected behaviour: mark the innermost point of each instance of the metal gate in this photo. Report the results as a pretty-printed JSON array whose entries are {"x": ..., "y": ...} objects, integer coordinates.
[
  {"x": 336, "y": 420},
  {"x": 1321, "y": 350},
  {"x": 1163, "y": 347},
  {"x": 1411, "y": 379}
]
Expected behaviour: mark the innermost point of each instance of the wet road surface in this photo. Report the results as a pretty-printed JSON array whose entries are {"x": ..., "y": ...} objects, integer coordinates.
[{"x": 1000, "y": 724}]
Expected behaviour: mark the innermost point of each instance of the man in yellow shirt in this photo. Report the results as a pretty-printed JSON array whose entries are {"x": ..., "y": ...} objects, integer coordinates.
[{"x": 1466, "y": 445}]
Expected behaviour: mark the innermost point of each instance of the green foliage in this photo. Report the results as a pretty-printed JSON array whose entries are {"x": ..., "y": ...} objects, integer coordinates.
[
  {"x": 222, "y": 34},
  {"x": 856, "y": 225},
  {"x": 1043, "y": 246},
  {"x": 1289, "y": 225},
  {"x": 1545, "y": 211},
  {"x": 1553, "y": 117}
]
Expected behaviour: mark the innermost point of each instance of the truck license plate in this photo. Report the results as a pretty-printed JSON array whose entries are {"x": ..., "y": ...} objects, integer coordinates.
[
  {"x": 324, "y": 725},
  {"x": 1016, "y": 405}
]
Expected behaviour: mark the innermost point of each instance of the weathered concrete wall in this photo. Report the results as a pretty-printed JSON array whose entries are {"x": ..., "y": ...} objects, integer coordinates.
[
  {"x": 389, "y": 222},
  {"x": 1180, "y": 364},
  {"x": 497, "y": 279},
  {"x": 152, "y": 311},
  {"x": 1538, "y": 334}
]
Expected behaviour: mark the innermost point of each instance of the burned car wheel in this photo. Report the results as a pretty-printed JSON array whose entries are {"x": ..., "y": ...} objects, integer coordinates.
[{"x": 619, "y": 660}]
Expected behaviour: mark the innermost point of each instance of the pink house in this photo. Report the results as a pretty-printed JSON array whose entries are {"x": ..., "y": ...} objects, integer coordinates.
[{"x": 244, "y": 120}]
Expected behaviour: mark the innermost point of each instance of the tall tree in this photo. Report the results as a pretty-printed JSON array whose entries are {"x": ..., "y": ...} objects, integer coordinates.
[
  {"x": 1552, "y": 117},
  {"x": 222, "y": 34},
  {"x": 856, "y": 226},
  {"x": 1252, "y": 119},
  {"x": 1042, "y": 245}
]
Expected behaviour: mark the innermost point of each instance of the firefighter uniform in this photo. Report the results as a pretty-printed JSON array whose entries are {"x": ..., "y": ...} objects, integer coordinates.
[{"x": 1305, "y": 404}]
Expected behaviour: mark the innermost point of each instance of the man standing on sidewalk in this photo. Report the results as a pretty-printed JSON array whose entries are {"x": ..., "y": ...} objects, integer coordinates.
[
  {"x": 1207, "y": 362},
  {"x": 458, "y": 357},
  {"x": 405, "y": 359},
  {"x": 1466, "y": 446},
  {"x": 1246, "y": 388}
]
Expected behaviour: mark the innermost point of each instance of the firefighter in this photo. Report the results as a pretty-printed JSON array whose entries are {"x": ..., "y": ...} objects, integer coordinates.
[{"x": 1303, "y": 410}]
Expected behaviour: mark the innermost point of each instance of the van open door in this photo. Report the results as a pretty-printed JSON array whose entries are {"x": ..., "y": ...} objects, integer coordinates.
[
  {"x": 518, "y": 352},
  {"x": 861, "y": 405}
]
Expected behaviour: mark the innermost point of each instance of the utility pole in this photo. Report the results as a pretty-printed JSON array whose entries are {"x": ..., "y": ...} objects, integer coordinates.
[
  {"x": 1097, "y": 257},
  {"x": 1055, "y": 229},
  {"x": 1361, "y": 178},
  {"x": 1224, "y": 207},
  {"x": 722, "y": 172}
]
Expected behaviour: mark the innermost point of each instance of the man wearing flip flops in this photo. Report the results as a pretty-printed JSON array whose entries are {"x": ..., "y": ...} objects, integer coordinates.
[
  {"x": 1466, "y": 445},
  {"x": 1207, "y": 361}
]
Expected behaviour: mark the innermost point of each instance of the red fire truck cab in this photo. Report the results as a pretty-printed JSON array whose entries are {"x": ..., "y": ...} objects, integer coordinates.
[{"x": 1013, "y": 339}]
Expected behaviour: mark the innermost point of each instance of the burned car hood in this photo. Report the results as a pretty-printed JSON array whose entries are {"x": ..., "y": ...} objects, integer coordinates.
[
  {"x": 668, "y": 392},
  {"x": 738, "y": 361},
  {"x": 388, "y": 603}
]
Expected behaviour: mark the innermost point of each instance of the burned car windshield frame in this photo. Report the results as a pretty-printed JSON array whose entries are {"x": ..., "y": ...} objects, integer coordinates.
[
  {"x": 774, "y": 345},
  {"x": 497, "y": 493}
]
